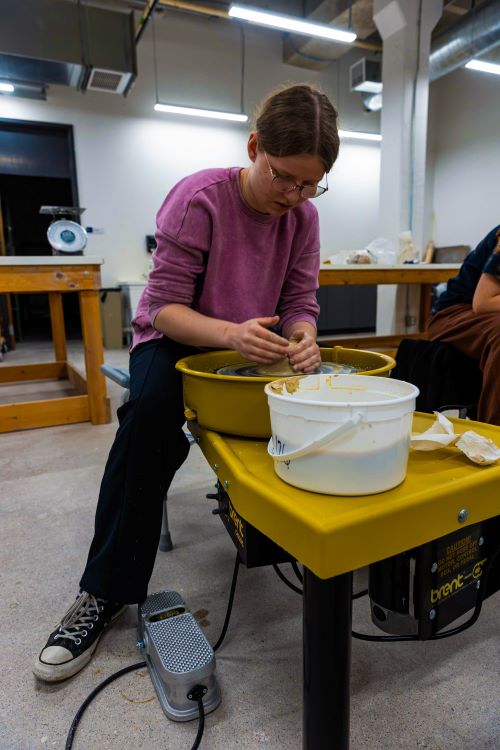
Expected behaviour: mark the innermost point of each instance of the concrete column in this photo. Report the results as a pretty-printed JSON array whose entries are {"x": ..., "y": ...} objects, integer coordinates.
[{"x": 405, "y": 27}]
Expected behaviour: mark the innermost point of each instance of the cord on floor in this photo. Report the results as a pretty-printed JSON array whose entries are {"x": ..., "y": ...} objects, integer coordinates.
[
  {"x": 195, "y": 693},
  {"x": 90, "y": 698}
]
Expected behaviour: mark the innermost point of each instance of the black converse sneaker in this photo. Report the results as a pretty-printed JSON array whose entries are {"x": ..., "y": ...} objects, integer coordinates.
[{"x": 71, "y": 646}]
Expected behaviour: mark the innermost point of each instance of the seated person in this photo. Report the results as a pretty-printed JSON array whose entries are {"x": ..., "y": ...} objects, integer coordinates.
[
  {"x": 237, "y": 252},
  {"x": 467, "y": 315}
]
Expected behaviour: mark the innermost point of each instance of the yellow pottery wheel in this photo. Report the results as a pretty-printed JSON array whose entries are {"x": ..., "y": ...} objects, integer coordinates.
[{"x": 237, "y": 405}]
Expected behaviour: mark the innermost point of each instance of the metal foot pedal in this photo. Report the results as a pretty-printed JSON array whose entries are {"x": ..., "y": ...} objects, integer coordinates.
[{"x": 177, "y": 654}]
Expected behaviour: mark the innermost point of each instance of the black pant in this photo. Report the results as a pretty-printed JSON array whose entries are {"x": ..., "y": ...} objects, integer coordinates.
[{"x": 149, "y": 447}]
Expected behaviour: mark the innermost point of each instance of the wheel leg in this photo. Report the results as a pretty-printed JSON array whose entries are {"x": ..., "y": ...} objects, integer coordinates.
[{"x": 327, "y": 618}]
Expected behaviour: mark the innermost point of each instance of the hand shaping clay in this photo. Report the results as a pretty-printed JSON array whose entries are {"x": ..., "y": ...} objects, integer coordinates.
[{"x": 281, "y": 368}]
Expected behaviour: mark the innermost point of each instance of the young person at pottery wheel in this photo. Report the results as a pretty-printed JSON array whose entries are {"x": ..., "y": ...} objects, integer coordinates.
[{"x": 236, "y": 267}]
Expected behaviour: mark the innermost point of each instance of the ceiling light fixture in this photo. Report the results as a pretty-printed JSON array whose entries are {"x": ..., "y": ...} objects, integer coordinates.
[
  {"x": 196, "y": 112},
  {"x": 484, "y": 67},
  {"x": 214, "y": 114},
  {"x": 23, "y": 90},
  {"x": 290, "y": 23},
  {"x": 372, "y": 102},
  {"x": 355, "y": 135}
]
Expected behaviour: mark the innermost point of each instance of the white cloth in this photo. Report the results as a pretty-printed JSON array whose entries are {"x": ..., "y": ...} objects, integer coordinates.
[{"x": 441, "y": 434}]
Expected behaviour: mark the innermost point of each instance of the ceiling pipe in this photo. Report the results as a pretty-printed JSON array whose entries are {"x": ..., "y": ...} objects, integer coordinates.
[
  {"x": 148, "y": 11},
  {"x": 473, "y": 35},
  {"x": 204, "y": 10}
]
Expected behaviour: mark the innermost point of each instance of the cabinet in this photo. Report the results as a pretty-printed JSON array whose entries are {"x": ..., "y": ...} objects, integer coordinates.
[{"x": 347, "y": 309}]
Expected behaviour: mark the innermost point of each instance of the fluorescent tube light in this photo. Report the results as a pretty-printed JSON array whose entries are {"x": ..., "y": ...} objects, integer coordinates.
[
  {"x": 195, "y": 112},
  {"x": 484, "y": 67},
  {"x": 372, "y": 102},
  {"x": 7, "y": 88},
  {"x": 354, "y": 135},
  {"x": 289, "y": 23}
]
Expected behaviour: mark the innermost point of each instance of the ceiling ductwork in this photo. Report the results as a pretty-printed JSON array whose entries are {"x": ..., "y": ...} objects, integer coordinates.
[
  {"x": 316, "y": 54},
  {"x": 69, "y": 43},
  {"x": 91, "y": 47},
  {"x": 476, "y": 33}
]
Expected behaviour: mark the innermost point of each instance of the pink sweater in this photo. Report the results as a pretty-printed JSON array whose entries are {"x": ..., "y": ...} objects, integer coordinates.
[{"x": 222, "y": 258}]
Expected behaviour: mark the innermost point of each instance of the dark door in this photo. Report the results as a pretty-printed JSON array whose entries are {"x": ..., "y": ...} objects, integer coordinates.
[{"x": 37, "y": 167}]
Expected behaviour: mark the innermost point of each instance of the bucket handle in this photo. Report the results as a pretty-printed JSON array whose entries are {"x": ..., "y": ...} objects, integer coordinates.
[{"x": 305, "y": 450}]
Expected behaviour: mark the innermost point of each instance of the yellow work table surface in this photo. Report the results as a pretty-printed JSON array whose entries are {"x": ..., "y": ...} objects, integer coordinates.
[{"x": 331, "y": 534}]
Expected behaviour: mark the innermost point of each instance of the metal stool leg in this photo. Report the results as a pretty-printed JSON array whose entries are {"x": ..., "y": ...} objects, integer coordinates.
[{"x": 165, "y": 538}]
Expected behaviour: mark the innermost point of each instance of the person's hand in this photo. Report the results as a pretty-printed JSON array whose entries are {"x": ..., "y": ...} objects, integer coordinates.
[
  {"x": 305, "y": 355},
  {"x": 253, "y": 341}
]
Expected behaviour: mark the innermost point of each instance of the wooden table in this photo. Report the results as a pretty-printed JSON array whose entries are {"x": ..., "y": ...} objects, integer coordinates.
[
  {"x": 56, "y": 276},
  {"x": 424, "y": 274}
]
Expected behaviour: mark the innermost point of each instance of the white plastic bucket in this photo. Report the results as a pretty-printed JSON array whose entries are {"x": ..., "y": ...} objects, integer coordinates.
[{"x": 341, "y": 434}]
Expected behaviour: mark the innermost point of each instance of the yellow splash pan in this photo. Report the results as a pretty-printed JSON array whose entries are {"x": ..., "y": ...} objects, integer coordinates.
[{"x": 237, "y": 405}]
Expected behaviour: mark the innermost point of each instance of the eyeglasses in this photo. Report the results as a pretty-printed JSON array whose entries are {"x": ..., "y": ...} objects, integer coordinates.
[{"x": 284, "y": 185}]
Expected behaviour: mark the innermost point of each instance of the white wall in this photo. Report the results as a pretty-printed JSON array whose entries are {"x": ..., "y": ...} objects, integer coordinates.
[
  {"x": 466, "y": 151},
  {"x": 129, "y": 156},
  {"x": 349, "y": 211}
]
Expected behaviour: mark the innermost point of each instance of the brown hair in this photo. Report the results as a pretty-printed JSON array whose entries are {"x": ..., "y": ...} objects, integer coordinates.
[{"x": 299, "y": 119}]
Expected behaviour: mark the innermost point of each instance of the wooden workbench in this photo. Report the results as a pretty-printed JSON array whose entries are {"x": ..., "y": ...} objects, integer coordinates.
[
  {"x": 56, "y": 276},
  {"x": 423, "y": 274}
]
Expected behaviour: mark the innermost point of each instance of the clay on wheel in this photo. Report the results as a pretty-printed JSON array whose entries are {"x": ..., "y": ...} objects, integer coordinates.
[{"x": 281, "y": 368}]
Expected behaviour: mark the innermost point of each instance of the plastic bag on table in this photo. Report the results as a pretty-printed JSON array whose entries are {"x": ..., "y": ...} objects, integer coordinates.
[{"x": 383, "y": 250}]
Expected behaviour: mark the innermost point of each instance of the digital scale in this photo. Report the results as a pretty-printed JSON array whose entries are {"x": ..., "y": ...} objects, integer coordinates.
[{"x": 65, "y": 235}]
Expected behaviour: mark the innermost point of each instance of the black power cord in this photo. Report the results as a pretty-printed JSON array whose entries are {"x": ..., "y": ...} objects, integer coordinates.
[
  {"x": 90, "y": 698},
  {"x": 229, "y": 604},
  {"x": 393, "y": 638},
  {"x": 297, "y": 572},
  {"x": 445, "y": 633},
  {"x": 195, "y": 694},
  {"x": 286, "y": 581},
  {"x": 359, "y": 594}
]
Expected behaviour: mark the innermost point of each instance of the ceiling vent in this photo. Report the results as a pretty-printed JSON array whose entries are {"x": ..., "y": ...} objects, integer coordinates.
[
  {"x": 107, "y": 80},
  {"x": 67, "y": 43},
  {"x": 366, "y": 76}
]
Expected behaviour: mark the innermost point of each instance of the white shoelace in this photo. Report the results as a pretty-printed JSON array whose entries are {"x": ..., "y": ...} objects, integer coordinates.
[{"x": 80, "y": 617}]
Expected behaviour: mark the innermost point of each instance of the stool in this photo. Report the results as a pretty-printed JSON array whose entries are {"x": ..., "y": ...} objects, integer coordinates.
[
  {"x": 446, "y": 378},
  {"x": 122, "y": 377}
]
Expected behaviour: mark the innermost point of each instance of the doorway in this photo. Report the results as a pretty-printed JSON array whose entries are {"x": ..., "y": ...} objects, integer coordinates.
[{"x": 37, "y": 168}]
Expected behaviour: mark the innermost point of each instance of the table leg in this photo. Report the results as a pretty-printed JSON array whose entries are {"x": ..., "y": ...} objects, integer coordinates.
[
  {"x": 57, "y": 323},
  {"x": 92, "y": 342},
  {"x": 424, "y": 312},
  {"x": 327, "y": 625}
]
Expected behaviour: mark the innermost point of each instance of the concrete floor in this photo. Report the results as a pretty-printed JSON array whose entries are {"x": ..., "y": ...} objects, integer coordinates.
[{"x": 441, "y": 695}]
